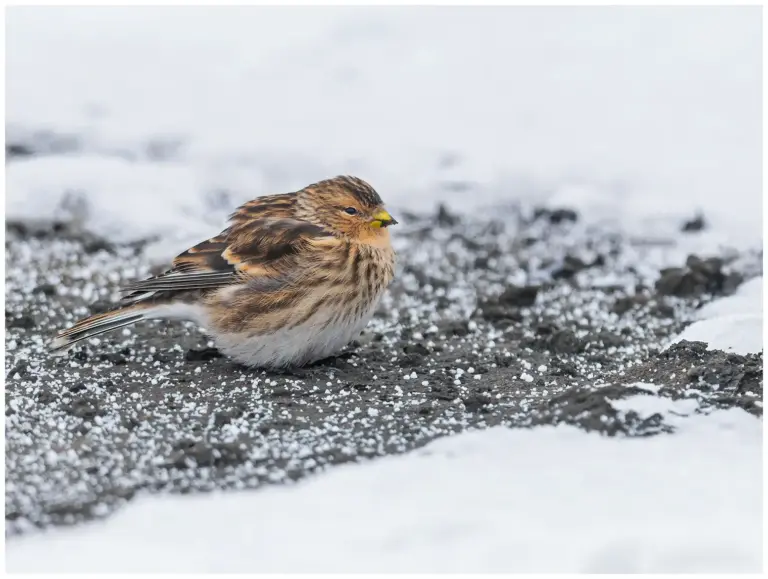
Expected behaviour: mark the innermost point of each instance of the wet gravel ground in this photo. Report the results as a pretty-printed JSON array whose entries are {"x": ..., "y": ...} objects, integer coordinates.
[{"x": 528, "y": 318}]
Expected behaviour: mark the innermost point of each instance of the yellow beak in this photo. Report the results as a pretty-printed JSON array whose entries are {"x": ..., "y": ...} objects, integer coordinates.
[{"x": 382, "y": 219}]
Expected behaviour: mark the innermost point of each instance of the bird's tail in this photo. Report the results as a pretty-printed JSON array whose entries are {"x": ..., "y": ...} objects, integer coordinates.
[{"x": 98, "y": 324}]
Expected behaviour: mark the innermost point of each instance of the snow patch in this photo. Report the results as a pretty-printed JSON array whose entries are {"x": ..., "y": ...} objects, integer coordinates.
[
  {"x": 646, "y": 405},
  {"x": 734, "y": 323},
  {"x": 498, "y": 500}
]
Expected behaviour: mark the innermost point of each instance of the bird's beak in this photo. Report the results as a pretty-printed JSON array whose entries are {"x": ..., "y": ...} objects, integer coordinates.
[{"x": 382, "y": 219}]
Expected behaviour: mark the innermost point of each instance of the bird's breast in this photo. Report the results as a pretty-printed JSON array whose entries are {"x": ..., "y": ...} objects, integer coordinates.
[{"x": 369, "y": 269}]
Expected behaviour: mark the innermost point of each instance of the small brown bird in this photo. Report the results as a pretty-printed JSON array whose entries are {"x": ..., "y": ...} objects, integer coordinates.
[{"x": 293, "y": 279}]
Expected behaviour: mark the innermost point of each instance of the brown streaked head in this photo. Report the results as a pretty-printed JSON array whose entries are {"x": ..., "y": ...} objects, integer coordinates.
[{"x": 345, "y": 205}]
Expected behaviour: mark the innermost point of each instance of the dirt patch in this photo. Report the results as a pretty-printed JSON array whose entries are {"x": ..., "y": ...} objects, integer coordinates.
[{"x": 529, "y": 318}]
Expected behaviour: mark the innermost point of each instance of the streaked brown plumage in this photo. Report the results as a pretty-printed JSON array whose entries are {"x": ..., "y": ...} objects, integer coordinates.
[{"x": 293, "y": 279}]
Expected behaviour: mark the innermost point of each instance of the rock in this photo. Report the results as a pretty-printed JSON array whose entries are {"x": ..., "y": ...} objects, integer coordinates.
[
  {"x": 477, "y": 402},
  {"x": 593, "y": 410},
  {"x": 699, "y": 277},
  {"x": 46, "y": 289},
  {"x": 504, "y": 308},
  {"x": 14, "y": 150},
  {"x": 410, "y": 361},
  {"x": 202, "y": 355},
  {"x": 454, "y": 327},
  {"x": 607, "y": 339},
  {"x": 446, "y": 218},
  {"x": 96, "y": 244},
  {"x": 223, "y": 417},
  {"x": 24, "y": 321},
  {"x": 116, "y": 358},
  {"x": 83, "y": 408},
  {"x": 189, "y": 454},
  {"x": 81, "y": 355},
  {"x": 519, "y": 296},
  {"x": 565, "y": 342},
  {"x": 418, "y": 349},
  {"x": 46, "y": 397},
  {"x": 447, "y": 392},
  {"x": 500, "y": 315},
  {"x": 20, "y": 368},
  {"x": 556, "y": 216},
  {"x": 623, "y": 304},
  {"x": 570, "y": 267},
  {"x": 695, "y": 224}
]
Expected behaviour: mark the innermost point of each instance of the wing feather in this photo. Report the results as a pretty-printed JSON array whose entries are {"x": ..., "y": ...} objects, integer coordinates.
[{"x": 268, "y": 253}]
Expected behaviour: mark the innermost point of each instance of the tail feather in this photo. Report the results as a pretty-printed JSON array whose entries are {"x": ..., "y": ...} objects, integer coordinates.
[{"x": 96, "y": 325}]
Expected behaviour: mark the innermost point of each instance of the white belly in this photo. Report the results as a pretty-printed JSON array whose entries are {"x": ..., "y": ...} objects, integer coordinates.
[{"x": 312, "y": 341}]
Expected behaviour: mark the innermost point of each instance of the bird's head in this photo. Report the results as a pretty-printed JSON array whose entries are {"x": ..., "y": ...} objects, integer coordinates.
[{"x": 347, "y": 206}]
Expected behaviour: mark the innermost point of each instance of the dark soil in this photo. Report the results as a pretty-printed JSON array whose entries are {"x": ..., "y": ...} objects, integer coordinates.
[{"x": 528, "y": 319}]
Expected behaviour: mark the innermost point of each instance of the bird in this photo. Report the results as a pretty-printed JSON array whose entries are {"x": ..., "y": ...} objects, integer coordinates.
[{"x": 293, "y": 278}]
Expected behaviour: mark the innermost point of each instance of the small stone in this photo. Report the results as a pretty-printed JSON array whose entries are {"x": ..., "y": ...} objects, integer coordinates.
[
  {"x": 570, "y": 267},
  {"x": 556, "y": 216},
  {"x": 521, "y": 297},
  {"x": 202, "y": 355},
  {"x": 418, "y": 349},
  {"x": 46, "y": 289},
  {"x": 445, "y": 218},
  {"x": 24, "y": 321},
  {"x": 565, "y": 342},
  {"x": 695, "y": 224}
]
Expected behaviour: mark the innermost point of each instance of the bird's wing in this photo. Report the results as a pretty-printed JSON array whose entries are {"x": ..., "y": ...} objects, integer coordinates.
[
  {"x": 267, "y": 207},
  {"x": 268, "y": 253}
]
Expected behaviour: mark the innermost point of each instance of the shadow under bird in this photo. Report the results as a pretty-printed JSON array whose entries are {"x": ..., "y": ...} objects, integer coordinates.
[{"x": 293, "y": 279}]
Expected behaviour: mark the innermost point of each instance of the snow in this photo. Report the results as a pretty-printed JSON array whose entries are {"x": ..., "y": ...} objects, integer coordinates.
[
  {"x": 148, "y": 194},
  {"x": 734, "y": 323},
  {"x": 552, "y": 499},
  {"x": 646, "y": 405},
  {"x": 642, "y": 115},
  {"x": 637, "y": 114}
]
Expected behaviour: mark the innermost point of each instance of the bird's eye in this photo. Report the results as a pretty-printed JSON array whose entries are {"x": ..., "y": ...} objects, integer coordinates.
[{"x": 351, "y": 211}]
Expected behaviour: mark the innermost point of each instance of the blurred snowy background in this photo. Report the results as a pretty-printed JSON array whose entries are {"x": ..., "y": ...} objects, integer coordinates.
[
  {"x": 141, "y": 122},
  {"x": 164, "y": 118}
]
